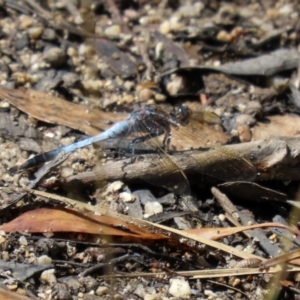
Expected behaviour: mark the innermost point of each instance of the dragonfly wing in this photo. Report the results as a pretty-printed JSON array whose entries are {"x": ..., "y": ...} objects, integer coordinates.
[
  {"x": 216, "y": 161},
  {"x": 170, "y": 175}
]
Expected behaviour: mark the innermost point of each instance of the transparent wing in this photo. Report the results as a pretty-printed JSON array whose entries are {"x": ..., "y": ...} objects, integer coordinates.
[
  {"x": 217, "y": 161},
  {"x": 170, "y": 175}
]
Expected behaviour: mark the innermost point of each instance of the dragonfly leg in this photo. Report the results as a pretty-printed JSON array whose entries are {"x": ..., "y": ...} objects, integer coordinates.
[
  {"x": 142, "y": 139},
  {"x": 167, "y": 141}
]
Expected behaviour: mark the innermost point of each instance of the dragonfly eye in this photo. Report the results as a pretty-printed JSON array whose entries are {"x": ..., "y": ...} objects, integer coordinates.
[{"x": 182, "y": 114}]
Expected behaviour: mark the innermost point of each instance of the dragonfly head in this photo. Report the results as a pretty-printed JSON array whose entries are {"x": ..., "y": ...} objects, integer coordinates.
[{"x": 182, "y": 114}]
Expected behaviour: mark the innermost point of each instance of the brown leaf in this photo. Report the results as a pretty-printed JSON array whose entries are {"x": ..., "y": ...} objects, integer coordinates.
[
  {"x": 55, "y": 110},
  {"x": 65, "y": 220},
  {"x": 286, "y": 125}
]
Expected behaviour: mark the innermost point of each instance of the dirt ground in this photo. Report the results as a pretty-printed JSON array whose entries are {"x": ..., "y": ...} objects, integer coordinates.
[{"x": 208, "y": 212}]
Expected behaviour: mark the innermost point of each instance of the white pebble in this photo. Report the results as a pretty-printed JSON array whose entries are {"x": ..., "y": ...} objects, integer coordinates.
[
  {"x": 126, "y": 197},
  {"x": 113, "y": 31},
  {"x": 179, "y": 288},
  {"x": 210, "y": 294},
  {"x": 48, "y": 276},
  {"x": 102, "y": 290},
  {"x": 140, "y": 290},
  {"x": 152, "y": 208},
  {"x": 115, "y": 186},
  {"x": 44, "y": 260},
  {"x": 152, "y": 297},
  {"x": 23, "y": 241}
]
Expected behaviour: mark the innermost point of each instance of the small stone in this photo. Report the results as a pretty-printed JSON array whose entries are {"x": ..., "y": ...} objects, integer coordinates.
[
  {"x": 131, "y": 14},
  {"x": 44, "y": 260},
  {"x": 246, "y": 286},
  {"x": 236, "y": 282},
  {"x": 23, "y": 241},
  {"x": 175, "y": 85},
  {"x": 66, "y": 172},
  {"x": 115, "y": 186},
  {"x": 152, "y": 297},
  {"x": 286, "y": 9},
  {"x": 152, "y": 208},
  {"x": 145, "y": 94},
  {"x": 48, "y": 276},
  {"x": 102, "y": 290},
  {"x": 49, "y": 34},
  {"x": 223, "y": 36},
  {"x": 127, "y": 197},
  {"x": 179, "y": 288},
  {"x": 113, "y": 31},
  {"x": 222, "y": 217},
  {"x": 12, "y": 287},
  {"x": 115, "y": 56},
  {"x": 190, "y": 11},
  {"x": 25, "y": 22},
  {"x": 54, "y": 56},
  {"x": 140, "y": 290},
  {"x": 92, "y": 85},
  {"x": 160, "y": 97},
  {"x": 165, "y": 27},
  {"x": 127, "y": 99},
  {"x": 210, "y": 294},
  {"x": 35, "y": 32}
]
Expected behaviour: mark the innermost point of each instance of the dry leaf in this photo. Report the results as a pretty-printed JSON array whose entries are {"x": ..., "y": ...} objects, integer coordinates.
[{"x": 51, "y": 109}]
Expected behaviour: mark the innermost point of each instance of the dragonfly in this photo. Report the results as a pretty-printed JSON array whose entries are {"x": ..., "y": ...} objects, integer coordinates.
[{"x": 146, "y": 126}]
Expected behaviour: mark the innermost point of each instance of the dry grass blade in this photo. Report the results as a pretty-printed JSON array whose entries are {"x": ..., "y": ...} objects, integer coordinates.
[{"x": 184, "y": 237}]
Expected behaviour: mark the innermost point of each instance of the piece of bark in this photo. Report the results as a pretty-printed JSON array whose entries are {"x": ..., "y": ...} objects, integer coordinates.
[{"x": 275, "y": 158}]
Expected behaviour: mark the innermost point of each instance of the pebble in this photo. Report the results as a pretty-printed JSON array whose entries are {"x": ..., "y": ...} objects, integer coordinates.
[
  {"x": 244, "y": 119},
  {"x": 70, "y": 79},
  {"x": 160, "y": 97},
  {"x": 127, "y": 197},
  {"x": 35, "y": 32},
  {"x": 23, "y": 241},
  {"x": 115, "y": 186},
  {"x": 48, "y": 276},
  {"x": 210, "y": 294},
  {"x": 140, "y": 290},
  {"x": 44, "y": 260},
  {"x": 152, "y": 297},
  {"x": 222, "y": 217},
  {"x": 191, "y": 11},
  {"x": 145, "y": 94},
  {"x": 131, "y": 14},
  {"x": 54, "y": 56},
  {"x": 91, "y": 85},
  {"x": 127, "y": 99},
  {"x": 286, "y": 9},
  {"x": 179, "y": 288},
  {"x": 113, "y": 31},
  {"x": 224, "y": 36},
  {"x": 175, "y": 85},
  {"x": 236, "y": 282},
  {"x": 152, "y": 208},
  {"x": 102, "y": 290},
  {"x": 175, "y": 24},
  {"x": 165, "y": 27},
  {"x": 48, "y": 34},
  {"x": 25, "y": 22}
]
